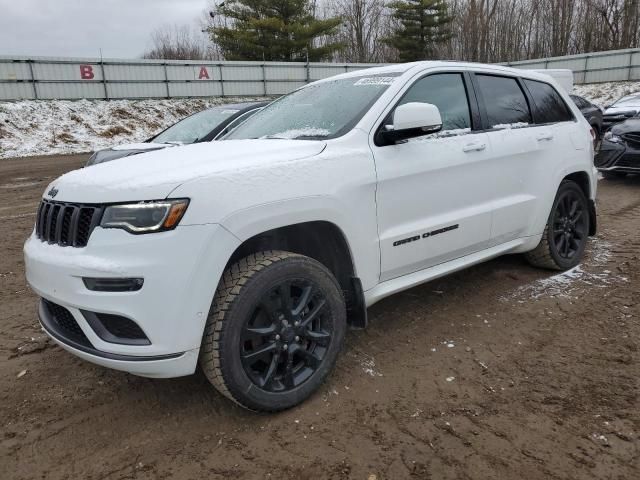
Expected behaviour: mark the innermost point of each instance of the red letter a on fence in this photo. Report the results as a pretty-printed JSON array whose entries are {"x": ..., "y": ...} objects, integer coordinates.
[{"x": 203, "y": 73}]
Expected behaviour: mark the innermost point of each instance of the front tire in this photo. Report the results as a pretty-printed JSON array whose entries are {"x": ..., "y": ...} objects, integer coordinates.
[
  {"x": 565, "y": 235},
  {"x": 275, "y": 328}
]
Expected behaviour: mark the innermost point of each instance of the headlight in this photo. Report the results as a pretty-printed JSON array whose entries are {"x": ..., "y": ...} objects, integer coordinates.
[
  {"x": 145, "y": 217},
  {"x": 612, "y": 137}
]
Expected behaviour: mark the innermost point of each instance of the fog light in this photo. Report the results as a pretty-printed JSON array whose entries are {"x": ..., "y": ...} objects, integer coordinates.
[{"x": 113, "y": 284}]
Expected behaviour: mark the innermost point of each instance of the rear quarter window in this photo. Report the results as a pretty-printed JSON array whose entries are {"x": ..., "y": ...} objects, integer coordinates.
[{"x": 549, "y": 107}]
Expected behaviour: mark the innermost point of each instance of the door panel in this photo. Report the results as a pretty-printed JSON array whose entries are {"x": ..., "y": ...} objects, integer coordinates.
[
  {"x": 434, "y": 201},
  {"x": 515, "y": 151},
  {"x": 434, "y": 195}
]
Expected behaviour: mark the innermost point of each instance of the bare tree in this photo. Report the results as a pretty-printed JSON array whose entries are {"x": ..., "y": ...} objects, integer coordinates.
[
  {"x": 362, "y": 28},
  {"x": 176, "y": 43}
]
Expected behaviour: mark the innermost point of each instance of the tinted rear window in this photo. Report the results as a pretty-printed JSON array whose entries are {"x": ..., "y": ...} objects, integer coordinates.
[
  {"x": 549, "y": 105},
  {"x": 504, "y": 100}
]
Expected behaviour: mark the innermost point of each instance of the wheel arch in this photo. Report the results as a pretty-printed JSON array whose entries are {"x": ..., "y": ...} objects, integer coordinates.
[
  {"x": 321, "y": 240},
  {"x": 583, "y": 180}
]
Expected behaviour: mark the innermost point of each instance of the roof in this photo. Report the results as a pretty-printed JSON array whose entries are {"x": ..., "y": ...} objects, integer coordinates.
[{"x": 400, "y": 68}]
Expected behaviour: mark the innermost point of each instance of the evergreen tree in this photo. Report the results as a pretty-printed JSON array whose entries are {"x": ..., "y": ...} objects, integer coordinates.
[
  {"x": 423, "y": 24},
  {"x": 273, "y": 30}
]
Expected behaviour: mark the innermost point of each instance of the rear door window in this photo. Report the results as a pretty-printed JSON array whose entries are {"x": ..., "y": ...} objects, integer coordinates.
[
  {"x": 549, "y": 105},
  {"x": 504, "y": 100}
]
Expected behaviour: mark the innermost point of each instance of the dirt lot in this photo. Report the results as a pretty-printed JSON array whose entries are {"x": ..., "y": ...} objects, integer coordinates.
[{"x": 502, "y": 371}]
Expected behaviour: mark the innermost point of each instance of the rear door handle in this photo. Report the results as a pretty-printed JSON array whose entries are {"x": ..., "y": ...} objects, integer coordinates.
[
  {"x": 474, "y": 147},
  {"x": 544, "y": 136}
]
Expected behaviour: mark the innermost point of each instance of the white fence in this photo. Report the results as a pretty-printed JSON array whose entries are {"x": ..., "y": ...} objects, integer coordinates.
[
  {"x": 75, "y": 78},
  {"x": 611, "y": 66}
]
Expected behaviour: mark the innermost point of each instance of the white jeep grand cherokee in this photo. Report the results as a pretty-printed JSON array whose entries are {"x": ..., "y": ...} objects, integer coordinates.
[{"x": 252, "y": 255}]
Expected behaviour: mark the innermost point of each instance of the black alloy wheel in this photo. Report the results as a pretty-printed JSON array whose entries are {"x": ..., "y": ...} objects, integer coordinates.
[
  {"x": 274, "y": 331},
  {"x": 565, "y": 235},
  {"x": 287, "y": 336},
  {"x": 570, "y": 225}
]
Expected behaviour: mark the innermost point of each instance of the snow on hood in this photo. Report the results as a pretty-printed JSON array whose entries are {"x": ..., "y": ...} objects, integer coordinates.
[
  {"x": 153, "y": 175},
  {"x": 142, "y": 146}
]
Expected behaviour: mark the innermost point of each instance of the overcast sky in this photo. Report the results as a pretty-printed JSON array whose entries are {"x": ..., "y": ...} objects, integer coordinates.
[{"x": 81, "y": 27}]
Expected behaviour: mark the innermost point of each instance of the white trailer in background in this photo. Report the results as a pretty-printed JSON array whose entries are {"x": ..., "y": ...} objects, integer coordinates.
[{"x": 564, "y": 77}]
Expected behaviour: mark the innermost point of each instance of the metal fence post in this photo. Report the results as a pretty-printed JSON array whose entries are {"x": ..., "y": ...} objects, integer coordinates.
[
  {"x": 264, "y": 79},
  {"x": 33, "y": 79},
  {"x": 104, "y": 81},
  {"x": 221, "y": 81},
  {"x": 166, "y": 80},
  {"x": 586, "y": 69},
  {"x": 308, "y": 74},
  {"x": 630, "y": 65}
]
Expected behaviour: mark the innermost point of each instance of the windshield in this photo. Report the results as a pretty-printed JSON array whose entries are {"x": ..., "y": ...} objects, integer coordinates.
[
  {"x": 324, "y": 110},
  {"x": 195, "y": 127},
  {"x": 630, "y": 100}
]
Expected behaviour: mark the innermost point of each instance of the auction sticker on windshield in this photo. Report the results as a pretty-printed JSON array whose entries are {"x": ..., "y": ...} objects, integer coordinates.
[{"x": 375, "y": 81}]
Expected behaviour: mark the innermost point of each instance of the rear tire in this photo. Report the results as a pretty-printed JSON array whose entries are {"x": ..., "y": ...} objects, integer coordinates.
[
  {"x": 565, "y": 235},
  {"x": 275, "y": 328}
]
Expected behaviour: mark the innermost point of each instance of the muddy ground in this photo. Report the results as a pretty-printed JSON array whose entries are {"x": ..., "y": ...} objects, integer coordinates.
[{"x": 501, "y": 371}]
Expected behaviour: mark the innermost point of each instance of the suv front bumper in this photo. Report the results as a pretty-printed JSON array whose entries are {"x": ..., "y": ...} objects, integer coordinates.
[{"x": 180, "y": 273}]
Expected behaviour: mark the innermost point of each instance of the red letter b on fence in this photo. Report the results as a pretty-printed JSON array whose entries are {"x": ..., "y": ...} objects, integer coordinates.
[{"x": 86, "y": 72}]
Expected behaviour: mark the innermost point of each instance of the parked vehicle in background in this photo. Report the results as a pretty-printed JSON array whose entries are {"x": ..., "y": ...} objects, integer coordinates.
[
  {"x": 621, "y": 110},
  {"x": 591, "y": 112},
  {"x": 253, "y": 254},
  {"x": 205, "y": 126},
  {"x": 619, "y": 152}
]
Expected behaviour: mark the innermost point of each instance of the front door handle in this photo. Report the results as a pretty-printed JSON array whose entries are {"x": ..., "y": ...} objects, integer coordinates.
[
  {"x": 474, "y": 147},
  {"x": 544, "y": 136}
]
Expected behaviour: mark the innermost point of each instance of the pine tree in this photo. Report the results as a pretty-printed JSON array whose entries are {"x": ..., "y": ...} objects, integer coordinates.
[
  {"x": 423, "y": 24},
  {"x": 273, "y": 30}
]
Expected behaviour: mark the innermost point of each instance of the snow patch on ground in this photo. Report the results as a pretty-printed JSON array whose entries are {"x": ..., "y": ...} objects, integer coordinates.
[
  {"x": 367, "y": 363},
  {"x": 603, "y": 94},
  {"x": 46, "y": 127},
  {"x": 567, "y": 283}
]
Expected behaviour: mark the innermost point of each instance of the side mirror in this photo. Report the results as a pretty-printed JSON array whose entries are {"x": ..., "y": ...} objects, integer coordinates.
[{"x": 413, "y": 120}]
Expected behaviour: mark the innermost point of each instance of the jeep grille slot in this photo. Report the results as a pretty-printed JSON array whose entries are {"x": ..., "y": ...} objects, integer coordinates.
[{"x": 66, "y": 224}]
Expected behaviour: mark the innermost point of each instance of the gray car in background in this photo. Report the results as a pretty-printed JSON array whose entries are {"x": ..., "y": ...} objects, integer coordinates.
[{"x": 204, "y": 126}]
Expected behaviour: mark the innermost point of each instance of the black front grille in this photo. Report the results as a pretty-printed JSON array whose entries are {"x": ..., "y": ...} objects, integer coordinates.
[
  {"x": 65, "y": 324},
  {"x": 66, "y": 224}
]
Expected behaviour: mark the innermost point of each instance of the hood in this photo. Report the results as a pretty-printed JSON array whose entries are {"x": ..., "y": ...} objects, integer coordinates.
[
  {"x": 155, "y": 174},
  {"x": 109, "y": 154},
  {"x": 628, "y": 126}
]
